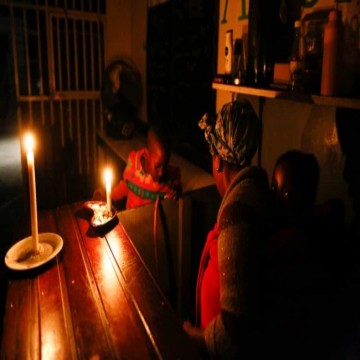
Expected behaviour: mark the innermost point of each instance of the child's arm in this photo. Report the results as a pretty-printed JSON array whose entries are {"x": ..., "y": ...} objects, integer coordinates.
[
  {"x": 120, "y": 191},
  {"x": 174, "y": 183}
]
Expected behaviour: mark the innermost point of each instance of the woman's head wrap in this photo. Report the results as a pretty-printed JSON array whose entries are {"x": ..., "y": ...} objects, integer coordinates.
[{"x": 234, "y": 134}]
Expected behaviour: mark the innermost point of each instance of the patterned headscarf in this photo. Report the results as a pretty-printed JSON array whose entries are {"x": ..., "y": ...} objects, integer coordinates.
[{"x": 234, "y": 134}]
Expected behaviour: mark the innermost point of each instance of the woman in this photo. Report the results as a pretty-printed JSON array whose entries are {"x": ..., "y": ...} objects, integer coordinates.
[{"x": 228, "y": 298}]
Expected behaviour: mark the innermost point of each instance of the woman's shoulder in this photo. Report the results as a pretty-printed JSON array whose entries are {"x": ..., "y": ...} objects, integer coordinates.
[
  {"x": 247, "y": 199},
  {"x": 235, "y": 212},
  {"x": 255, "y": 174}
]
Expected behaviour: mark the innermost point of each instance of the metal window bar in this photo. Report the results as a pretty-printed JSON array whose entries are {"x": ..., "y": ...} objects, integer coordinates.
[
  {"x": 27, "y": 64},
  {"x": 60, "y": 77},
  {"x": 100, "y": 61},
  {"x": 50, "y": 62},
  {"x": 86, "y": 134},
  {"x": 41, "y": 77},
  {"x": 15, "y": 56},
  {"x": 77, "y": 102},
  {"x": 70, "y": 122},
  {"x": 92, "y": 57},
  {"x": 81, "y": 10}
]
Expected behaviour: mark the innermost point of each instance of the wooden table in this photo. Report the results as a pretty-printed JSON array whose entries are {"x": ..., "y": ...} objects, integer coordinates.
[{"x": 95, "y": 300}]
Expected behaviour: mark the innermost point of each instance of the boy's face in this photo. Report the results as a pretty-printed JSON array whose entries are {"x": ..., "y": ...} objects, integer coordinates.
[
  {"x": 158, "y": 160},
  {"x": 281, "y": 183},
  {"x": 282, "y": 190}
]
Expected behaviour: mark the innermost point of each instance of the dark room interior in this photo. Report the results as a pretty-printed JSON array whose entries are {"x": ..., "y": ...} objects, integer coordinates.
[{"x": 89, "y": 81}]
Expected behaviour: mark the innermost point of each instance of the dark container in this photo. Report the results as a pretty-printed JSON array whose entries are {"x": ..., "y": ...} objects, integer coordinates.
[
  {"x": 314, "y": 24},
  {"x": 271, "y": 27}
]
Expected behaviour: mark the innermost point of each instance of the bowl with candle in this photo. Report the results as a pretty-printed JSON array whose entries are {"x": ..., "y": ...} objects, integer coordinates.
[
  {"x": 100, "y": 213},
  {"x": 103, "y": 212}
]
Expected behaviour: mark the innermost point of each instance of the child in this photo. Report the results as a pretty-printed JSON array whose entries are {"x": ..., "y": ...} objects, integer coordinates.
[
  {"x": 295, "y": 182},
  {"x": 148, "y": 174},
  {"x": 304, "y": 262}
]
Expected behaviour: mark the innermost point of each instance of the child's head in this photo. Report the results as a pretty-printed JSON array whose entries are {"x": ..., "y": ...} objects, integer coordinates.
[
  {"x": 157, "y": 152},
  {"x": 295, "y": 180}
]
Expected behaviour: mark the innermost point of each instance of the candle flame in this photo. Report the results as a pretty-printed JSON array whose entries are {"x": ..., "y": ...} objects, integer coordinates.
[
  {"x": 107, "y": 175},
  {"x": 29, "y": 142}
]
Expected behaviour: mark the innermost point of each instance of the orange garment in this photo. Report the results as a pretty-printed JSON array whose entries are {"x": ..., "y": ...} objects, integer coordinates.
[
  {"x": 208, "y": 282},
  {"x": 141, "y": 187}
]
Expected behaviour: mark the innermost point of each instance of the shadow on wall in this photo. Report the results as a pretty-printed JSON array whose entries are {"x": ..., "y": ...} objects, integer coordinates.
[
  {"x": 348, "y": 127},
  {"x": 320, "y": 137}
]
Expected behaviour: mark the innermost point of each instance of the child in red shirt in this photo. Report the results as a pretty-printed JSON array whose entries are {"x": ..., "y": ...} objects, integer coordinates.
[{"x": 147, "y": 174}]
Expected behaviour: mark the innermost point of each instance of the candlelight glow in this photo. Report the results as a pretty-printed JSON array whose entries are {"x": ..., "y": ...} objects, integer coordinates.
[
  {"x": 107, "y": 175},
  {"x": 29, "y": 142},
  {"x": 29, "y": 145},
  {"x": 108, "y": 179}
]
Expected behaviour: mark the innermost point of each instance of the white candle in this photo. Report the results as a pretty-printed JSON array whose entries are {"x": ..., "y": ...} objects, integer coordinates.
[
  {"x": 29, "y": 145},
  {"x": 108, "y": 179}
]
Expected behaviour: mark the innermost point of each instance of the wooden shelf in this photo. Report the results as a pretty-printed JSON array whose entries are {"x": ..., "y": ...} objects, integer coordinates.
[{"x": 351, "y": 103}]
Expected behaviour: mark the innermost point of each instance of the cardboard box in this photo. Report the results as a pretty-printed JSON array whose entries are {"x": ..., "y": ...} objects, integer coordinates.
[{"x": 282, "y": 73}]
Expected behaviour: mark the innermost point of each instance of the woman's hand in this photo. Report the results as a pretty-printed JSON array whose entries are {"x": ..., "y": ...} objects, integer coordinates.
[
  {"x": 196, "y": 335},
  {"x": 173, "y": 194}
]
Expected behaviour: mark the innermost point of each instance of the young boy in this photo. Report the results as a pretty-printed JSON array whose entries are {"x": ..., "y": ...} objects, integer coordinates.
[
  {"x": 295, "y": 182},
  {"x": 148, "y": 174}
]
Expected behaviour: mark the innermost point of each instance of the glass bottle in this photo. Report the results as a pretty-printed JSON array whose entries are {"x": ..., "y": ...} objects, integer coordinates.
[
  {"x": 229, "y": 52},
  {"x": 312, "y": 55},
  {"x": 239, "y": 70},
  {"x": 331, "y": 65},
  {"x": 257, "y": 62},
  {"x": 296, "y": 60}
]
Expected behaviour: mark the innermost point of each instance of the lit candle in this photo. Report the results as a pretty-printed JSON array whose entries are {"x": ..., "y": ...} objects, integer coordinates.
[
  {"x": 29, "y": 145},
  {"x": 108, "y": 179}
]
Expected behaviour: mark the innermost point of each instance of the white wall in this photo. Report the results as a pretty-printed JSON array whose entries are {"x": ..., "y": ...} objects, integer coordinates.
[
  {"x": 138, "y": 41},
  {"x": 125, "y": 37},
  {"x": 117, "y": 42}
]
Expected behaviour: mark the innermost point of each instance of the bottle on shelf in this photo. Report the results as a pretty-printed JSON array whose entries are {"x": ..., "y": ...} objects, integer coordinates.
[
  {"x": 296, "y": 60},
  {"x": 239, "y": 70},
  {"x": 332, "y": 53},
  {"x": 256, "y": 69},
  {"x": 312, "y": 54},
  {"x": 229, "y": 52}
]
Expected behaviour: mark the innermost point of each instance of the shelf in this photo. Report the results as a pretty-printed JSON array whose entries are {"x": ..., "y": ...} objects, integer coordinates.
[{"x": 351, "y": 103}]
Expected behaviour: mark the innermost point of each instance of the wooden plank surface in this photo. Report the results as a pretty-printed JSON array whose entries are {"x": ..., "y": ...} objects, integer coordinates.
[
  {"x": 96, "y": 299},
  {"x": 122, "y": 325}
]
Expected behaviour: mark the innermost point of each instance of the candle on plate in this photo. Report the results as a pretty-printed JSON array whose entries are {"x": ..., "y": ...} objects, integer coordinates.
[
  {"x": 29, "y": 146},
  {"x": 108, "y": 179}
]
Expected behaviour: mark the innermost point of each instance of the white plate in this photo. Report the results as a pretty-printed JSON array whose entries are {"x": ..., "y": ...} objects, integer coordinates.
[{"x": 19, "y": 256}]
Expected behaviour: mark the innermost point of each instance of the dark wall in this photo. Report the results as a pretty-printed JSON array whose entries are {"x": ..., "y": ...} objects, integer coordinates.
[
  {"x": 348, "y": 127},
  {"x": 181, "y": 63}
]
